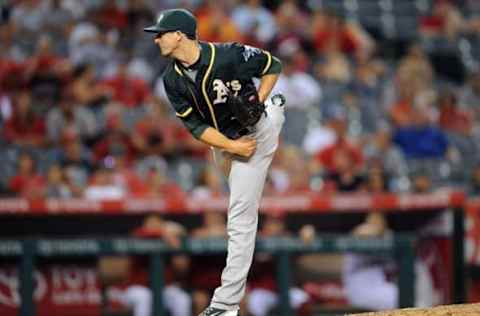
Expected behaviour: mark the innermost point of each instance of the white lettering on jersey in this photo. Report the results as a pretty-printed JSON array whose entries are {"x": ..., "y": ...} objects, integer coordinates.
[
  {"x": 222, "y": 89},
  {"x": 235, "y": 85}
]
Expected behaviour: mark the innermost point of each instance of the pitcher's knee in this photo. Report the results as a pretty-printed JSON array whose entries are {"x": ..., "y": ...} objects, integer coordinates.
[{"x": 243, "y": 212}]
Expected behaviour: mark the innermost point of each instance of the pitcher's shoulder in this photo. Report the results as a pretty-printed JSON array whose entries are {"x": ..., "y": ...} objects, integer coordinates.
[
  {"x": 229, "y": 47},
  {"x": 169, "y": 73},
  {"x": 171, "y": 77}
]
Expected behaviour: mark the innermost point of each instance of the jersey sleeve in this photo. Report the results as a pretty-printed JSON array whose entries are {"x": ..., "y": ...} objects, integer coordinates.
[
  {"x": 255, "y": 62},
  {"x": 184, "y": 110}
]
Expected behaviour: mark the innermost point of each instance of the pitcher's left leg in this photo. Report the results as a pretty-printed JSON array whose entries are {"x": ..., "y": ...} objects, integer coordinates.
[{"x": 246, "y": 181}]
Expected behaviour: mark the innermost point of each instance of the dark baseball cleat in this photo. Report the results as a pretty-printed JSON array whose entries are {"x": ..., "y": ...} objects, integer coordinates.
[{"x": 212, "y": 311}]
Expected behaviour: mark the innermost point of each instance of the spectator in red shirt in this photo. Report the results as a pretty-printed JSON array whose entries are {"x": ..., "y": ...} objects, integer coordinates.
[
  {"x": 189, "y": 146},
  {"x": 331, "y": 32},
  {"x": 110, "y": 16},
  {"x": 27, "y": 182},
  {"x": 326, "y": 157},
  {"x": 401, "y": 112},
  {"x": 44, "y": 62},
  {"x": 24, "y": 127},
  {"x": 345, "y": 177},
  {"x": 157, "y": 185},
  {"x": 445, "y": 21},
  {"x": 115, "y": 140},
  {"x": 159, "y": 134},
  {"x": 12, "y": 80},
  {"x": 45, "y": 72},
  {"x": 127, "y": 90},
  {"x": 154, "y": 134},
  {"x": 452, "y": 118},
  {"x": 291, "y": 22}
]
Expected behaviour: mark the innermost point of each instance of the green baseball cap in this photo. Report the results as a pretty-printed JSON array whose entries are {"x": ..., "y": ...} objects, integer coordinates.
[{"x": 175, "y": 20}]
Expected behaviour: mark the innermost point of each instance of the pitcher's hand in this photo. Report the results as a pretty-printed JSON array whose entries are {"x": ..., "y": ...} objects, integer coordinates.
[{"x": 244, "y": 147}]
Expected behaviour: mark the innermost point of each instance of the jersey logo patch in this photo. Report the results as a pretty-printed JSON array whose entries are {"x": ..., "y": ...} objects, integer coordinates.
[
  {"x": 250, "y": 51},
  {"x": 222, "y": 89}
]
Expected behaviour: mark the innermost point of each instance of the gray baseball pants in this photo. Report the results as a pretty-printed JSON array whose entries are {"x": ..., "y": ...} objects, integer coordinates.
[{"x": 246, "y": 180}]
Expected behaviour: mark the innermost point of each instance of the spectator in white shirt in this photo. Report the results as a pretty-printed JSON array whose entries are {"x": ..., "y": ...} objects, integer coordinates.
[
  {"x": 103, "y": 186},
  {"x": 303, "y": 94}
]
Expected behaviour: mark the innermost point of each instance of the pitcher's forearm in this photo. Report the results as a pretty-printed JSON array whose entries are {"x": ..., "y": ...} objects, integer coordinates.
[
  {"x": 212, "y": 137},
  {"x": 267, "y": 83}
]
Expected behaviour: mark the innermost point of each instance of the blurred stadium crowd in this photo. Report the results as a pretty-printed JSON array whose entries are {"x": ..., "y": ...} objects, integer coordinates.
[
  {"x": 382, "y": 95},
  {"x": 378, "y": 91}
]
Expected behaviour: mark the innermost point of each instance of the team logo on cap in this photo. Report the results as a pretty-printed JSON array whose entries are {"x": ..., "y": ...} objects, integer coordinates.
[{"x": 160, "y": 17}]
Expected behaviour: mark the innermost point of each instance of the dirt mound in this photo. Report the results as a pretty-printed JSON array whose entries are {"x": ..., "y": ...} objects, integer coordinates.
[{"x": 447, "y": 310}]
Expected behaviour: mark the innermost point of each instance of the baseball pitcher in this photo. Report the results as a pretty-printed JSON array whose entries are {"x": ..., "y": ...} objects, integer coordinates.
[{"x": 210, "y": 87}]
